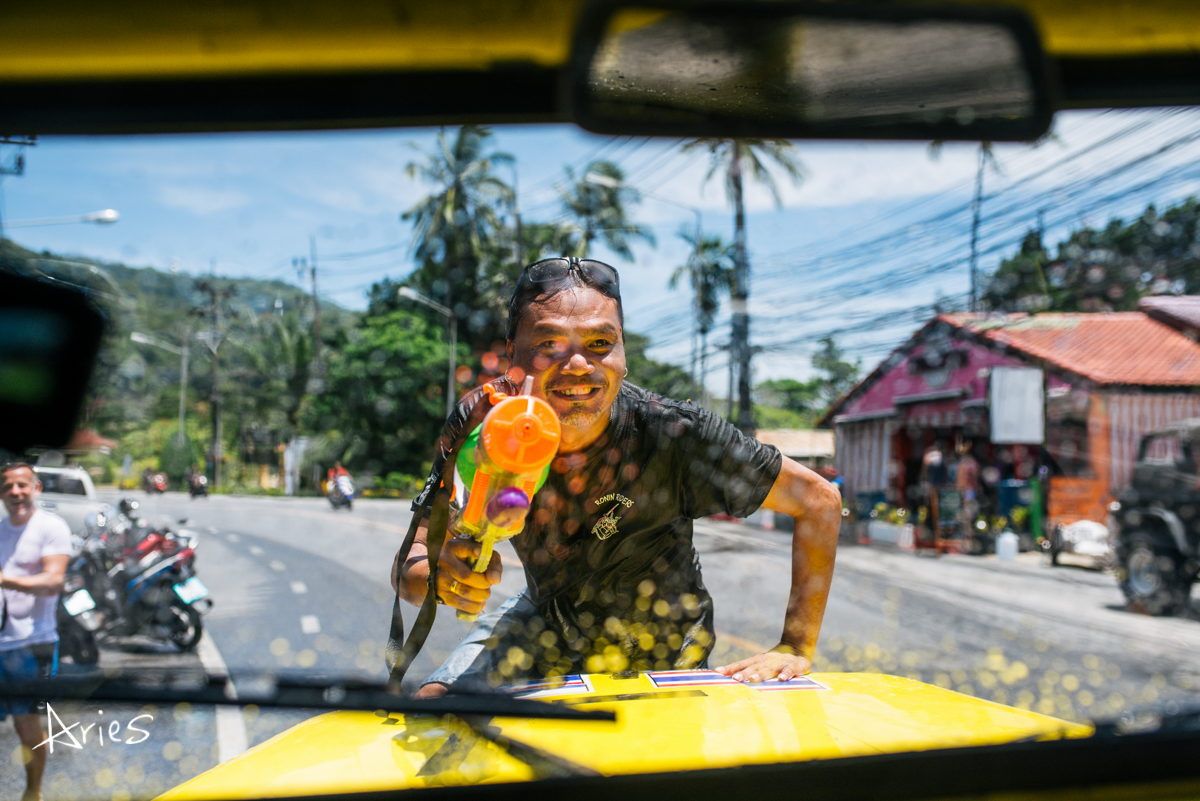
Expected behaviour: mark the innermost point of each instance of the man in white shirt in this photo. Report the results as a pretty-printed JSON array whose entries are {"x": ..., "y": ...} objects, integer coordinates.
[{"x": 35, "y": 547}]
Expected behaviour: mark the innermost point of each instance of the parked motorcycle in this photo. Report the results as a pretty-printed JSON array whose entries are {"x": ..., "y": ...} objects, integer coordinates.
[
  {"x": 75, "y": 614},
  {"x": 144, "y": 582},
  {"x": 341, "y": 492},
  {"x": 198, "y": 486}
]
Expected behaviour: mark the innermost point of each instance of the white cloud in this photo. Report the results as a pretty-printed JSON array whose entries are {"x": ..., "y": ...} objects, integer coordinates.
[{"x": 201, "y": 200}]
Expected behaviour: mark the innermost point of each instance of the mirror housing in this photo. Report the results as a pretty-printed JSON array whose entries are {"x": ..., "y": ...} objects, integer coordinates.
[
  {"x": 808, "y": 70},
  {"x": 49, "y": 339}
]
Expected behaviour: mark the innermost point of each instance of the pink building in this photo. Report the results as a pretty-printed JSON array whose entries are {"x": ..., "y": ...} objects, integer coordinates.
[{"x": 1108, "y": 379}]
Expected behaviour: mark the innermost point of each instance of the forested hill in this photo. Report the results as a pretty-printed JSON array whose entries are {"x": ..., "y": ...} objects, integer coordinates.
[{"x": 151, "y": 300}]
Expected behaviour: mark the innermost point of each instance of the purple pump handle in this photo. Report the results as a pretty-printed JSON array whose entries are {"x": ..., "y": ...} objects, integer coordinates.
[{"x": 508, "y": 506}]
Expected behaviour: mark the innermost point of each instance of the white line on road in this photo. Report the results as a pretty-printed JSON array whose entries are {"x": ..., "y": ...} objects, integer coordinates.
[
  {"x": 277, "y": 566},
  {"x": 299, "y": 587},
  {"x": 309, "y": 624},
  {"x": 231, "y": 726},
  {"x": 254, "y": 549},
  {"x": 233, "y": 538}
]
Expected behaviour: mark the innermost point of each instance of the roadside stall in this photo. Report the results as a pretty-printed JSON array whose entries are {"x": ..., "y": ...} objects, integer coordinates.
[{"x": 1049, "y": 408}]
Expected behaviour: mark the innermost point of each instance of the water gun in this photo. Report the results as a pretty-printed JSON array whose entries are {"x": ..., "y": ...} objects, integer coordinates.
[{"x": 504, "y": 462}]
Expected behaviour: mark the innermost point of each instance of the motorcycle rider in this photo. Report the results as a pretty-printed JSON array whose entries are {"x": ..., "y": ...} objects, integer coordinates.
[
  {"x": 332, "y": 476},
  {"x": 35, "y": 547}
]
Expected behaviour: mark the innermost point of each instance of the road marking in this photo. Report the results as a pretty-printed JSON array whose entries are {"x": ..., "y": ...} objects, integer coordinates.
[
  {"x": 231, "y": 726},
  {"x": 299, "y": 587},
  {"x": 254, "y": 549},
  {"x": 233, "y": 538},
  {"x": 309, "y": 624},
  {"x": 277, "y": 566}
]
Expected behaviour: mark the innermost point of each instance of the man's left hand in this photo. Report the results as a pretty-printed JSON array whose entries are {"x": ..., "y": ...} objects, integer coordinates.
[{"x": 771, "y": 665}]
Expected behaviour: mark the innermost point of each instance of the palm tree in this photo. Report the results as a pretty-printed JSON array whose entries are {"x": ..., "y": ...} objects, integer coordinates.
[
  {"x": 709, "y": 271},
  {"x": 452, "y": 225},
  {"x": 737, "y": 158},
  {"x": 598, "y": 201}
]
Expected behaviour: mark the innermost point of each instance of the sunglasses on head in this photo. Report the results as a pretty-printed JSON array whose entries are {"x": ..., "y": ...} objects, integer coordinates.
[{"x": 549, "y": 271}]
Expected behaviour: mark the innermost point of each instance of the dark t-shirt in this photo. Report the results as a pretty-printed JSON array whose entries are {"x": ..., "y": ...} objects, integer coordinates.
[{"x": 607, "y": 547}]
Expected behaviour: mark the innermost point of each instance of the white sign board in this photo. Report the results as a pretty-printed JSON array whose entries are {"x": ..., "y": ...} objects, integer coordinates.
[{"x": 1017, "y": 406}]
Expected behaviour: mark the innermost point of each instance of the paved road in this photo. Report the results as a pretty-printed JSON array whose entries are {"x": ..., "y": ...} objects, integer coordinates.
[{"x": 298, "y": 587}]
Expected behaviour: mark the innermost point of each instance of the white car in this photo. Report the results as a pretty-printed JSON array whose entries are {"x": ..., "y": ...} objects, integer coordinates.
[{"x": 69, "y": 493}]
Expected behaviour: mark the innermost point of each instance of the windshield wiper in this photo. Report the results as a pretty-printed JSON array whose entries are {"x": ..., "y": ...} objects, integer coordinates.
[{"x": 287, "y": 692}]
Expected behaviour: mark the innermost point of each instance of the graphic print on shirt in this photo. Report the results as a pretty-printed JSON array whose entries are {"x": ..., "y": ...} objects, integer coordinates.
[{"x": 607, "y": 526}]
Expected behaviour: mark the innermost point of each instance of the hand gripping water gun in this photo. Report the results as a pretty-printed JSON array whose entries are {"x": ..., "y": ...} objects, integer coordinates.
[{"x": 504, "y": 462}]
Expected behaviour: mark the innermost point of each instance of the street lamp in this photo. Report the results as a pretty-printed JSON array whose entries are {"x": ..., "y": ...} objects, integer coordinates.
[
  {"x": 102, "y": 217},
  {"x": 182, "y": 352},
  {"x": 452, "y": 323}
]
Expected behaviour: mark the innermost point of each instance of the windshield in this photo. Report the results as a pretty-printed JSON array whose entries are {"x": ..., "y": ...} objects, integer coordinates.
[
  {"x": 61, "y": 483},
  {"x": 969, "y": 343}
]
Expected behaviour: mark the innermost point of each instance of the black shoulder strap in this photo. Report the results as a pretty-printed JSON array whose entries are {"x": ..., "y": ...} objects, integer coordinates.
[{"x": 439, "y": 522}]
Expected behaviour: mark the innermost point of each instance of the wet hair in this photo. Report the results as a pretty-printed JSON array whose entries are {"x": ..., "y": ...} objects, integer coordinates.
[{"x": 529, "y": 292}]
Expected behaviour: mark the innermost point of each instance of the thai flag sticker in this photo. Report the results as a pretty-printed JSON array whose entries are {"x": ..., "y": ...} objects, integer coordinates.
[
  {"x": 798, "y": 683},
  {"x": 562, "y": 685},
  {"x": 688, "y": 678}
]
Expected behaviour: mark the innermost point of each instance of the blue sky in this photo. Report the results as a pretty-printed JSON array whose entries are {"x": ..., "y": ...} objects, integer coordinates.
[{"x": 248, "y": 203}]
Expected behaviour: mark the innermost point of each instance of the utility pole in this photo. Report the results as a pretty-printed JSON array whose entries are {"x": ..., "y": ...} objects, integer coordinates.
[
  {"x": 312, "y": 249},
  {"x": 975, "y": 226},
  {"x": 517, "y": 215},
  {"x": 16, "y": 165},
  {"x": 740, "y": 333},
  {"x": 212, "y": 340},
  {"x": 183, "y": 375}
]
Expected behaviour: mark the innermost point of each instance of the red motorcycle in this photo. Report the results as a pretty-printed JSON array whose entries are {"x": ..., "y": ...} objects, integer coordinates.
[{"x": 156, "y": 482}]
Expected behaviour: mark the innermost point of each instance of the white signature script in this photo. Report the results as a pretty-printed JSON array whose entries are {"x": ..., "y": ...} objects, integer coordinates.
[{"x": 66, "y": 737}]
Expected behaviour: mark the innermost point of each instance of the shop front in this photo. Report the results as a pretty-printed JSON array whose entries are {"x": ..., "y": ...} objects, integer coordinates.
[{"x": 983, "y": 424}]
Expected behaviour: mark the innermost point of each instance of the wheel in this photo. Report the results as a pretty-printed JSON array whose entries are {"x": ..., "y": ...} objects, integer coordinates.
[
  {"x": 79, "y": 644},
  {"x": 185, "y": 626},
  {"x": 1152, "y": 575},
  {"x": 85, "y": 652}
]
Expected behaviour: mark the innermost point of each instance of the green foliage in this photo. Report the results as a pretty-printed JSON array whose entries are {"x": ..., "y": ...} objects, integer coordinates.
[
  {"x": 838, "y": 375},
  {"x": 788, "y": 394},
  {"x": 454, "y": 227},
  {"x": 383, "y": 402},
  {"x": 709, "y": 272},
  {"x": 1104, "y": 270},
  {"x": 665, "y": 379},
  {"x": 175, "y": 457},
  {"x": 598, "y": 200},
  {"x": 774, "y": 417}
]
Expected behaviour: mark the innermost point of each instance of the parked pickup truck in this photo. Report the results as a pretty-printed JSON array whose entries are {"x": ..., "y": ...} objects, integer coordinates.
[{"x": 69, "y": 493}]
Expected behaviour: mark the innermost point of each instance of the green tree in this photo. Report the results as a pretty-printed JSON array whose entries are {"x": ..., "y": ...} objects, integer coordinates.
[
  {"x": 737, "y": 158},
  {"x": 599, "y": 202},
  {"x": 837, "y": 374},
  {"x": 709, "y": 272},
  {"x": 278, "y": 356},
  {"x": 666, "y": 379},
  {"x": 383, "y": 405},
  {"x": 455, "y": 223},
  {"x": 1102, "y": 270}
]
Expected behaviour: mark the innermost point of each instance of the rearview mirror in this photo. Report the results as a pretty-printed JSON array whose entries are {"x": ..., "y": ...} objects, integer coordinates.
[
  {"x": 808, "y": 70},
  {"x": 49, "y": 339}
]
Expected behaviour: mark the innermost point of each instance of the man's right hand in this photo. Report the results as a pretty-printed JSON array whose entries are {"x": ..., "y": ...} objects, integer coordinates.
[{"x": 457, "y": 582}]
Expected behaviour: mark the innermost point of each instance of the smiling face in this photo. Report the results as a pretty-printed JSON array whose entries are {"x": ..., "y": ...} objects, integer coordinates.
[
  {"x": 573, "y": 346},
  {"x": 19, "y": 488}
]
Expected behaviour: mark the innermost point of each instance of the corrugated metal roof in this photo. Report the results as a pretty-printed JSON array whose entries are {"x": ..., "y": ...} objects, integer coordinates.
[
  {"x": 798, "y": 443},
  {"x": 1178, "y": 311},
  {"x": 1115, "y": 348}
]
